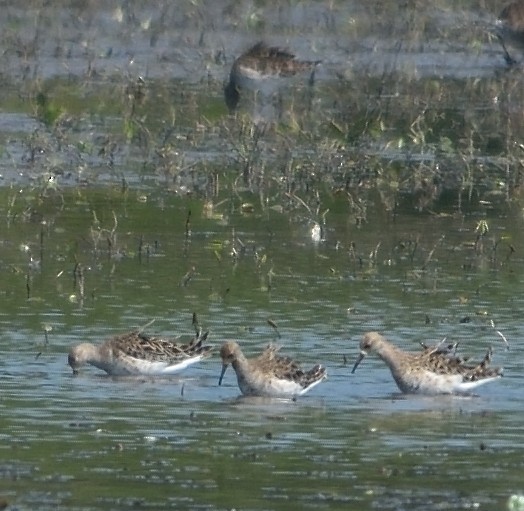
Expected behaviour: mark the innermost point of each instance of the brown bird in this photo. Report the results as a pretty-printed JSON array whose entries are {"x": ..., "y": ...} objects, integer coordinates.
[
  {"x": 135, "y": 353},
  {"x": 269, "y": 374},
  {"x": 434, "y": 370},
  {"x": 260, "y": 68}
]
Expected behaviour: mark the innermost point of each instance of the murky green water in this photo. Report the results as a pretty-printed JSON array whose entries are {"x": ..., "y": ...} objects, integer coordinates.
[
  {"x": 125, "y": 201},
  {"x": 93, "y": 442}
]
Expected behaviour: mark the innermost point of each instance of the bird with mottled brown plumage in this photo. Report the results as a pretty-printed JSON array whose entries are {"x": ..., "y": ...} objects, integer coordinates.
[
  {"x": 270, "y": 374},
  {"x": 260, "y": 69},
  {"x": 434, "y": 370},
  {"x": 136, "y": 353}
]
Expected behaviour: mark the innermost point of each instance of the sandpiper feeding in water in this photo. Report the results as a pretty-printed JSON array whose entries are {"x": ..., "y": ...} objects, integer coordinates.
[
  {"x": 434, "y": 370},
  {"x": 135, "y": 353},
  {"x": 260, "y": 67},
  {"x": 269, "y": 374}
]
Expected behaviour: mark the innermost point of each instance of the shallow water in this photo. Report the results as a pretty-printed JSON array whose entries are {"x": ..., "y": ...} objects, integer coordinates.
[
  {"x": 96, "y": 442},
  {"x": 104, "y": 229}
]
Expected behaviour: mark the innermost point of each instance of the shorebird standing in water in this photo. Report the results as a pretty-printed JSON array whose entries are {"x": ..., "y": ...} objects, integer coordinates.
[
  {"x": 135, "y": 353},
  {"x": 261, "y": 68},
  {"x": 269, "y": 374},
  {"x": 510, "y": 29},
  {"x": 435, "y": 370}
]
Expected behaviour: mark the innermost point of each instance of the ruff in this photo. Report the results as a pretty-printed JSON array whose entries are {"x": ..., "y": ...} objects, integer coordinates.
[
  {"x": 135, "y": 353},
  {"x": 434, "y": 370},
  {"x": 269, "y": 374},
  {"x": 259, "y": 69}
]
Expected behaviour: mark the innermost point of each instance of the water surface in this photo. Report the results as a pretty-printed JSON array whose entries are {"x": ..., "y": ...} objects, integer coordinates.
[
  {"x": 130, "y": 197},
  {"x": 95, "y": 442}
]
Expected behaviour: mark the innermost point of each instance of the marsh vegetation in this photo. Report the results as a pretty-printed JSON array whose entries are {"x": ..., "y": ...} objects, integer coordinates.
[{"x": 387, "y": 196}]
